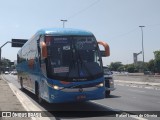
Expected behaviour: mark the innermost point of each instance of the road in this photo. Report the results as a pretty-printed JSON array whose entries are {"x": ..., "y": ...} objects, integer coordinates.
[{"x": 124, "y": 98}]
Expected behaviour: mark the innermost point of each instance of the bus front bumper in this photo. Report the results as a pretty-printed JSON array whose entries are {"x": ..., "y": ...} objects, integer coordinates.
[{"x": 76, "y": 95}]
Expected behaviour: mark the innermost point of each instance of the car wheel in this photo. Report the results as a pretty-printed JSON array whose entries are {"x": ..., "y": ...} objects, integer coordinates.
[
  {"x": 107, "y": 93},
  {"x": 21, "y": 84}
]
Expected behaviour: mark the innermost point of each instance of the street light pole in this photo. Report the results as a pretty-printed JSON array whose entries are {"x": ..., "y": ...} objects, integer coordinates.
[
  {"x": 1, "y": 48},
  {"x": 142, "y": 42},
  {"x": 1, "y": 53},
  {"x": 64, "y": 22}
]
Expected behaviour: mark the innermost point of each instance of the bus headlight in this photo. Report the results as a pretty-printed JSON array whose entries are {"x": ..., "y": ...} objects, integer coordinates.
[
  {"x": 100, "y": 85},
  {"x": 56, "y": 87}
]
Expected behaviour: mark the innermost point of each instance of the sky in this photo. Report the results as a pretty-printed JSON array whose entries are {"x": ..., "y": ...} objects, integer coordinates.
[{"x": 113, "y": 21}]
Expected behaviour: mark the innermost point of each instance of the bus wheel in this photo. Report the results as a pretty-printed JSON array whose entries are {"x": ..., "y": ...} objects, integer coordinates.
[
  {"x": 21, "y": 84},
  {"x": 39, "y": 99}
]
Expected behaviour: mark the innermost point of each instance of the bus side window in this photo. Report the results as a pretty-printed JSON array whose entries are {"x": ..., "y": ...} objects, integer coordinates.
[{"x": 39, "y": 51}]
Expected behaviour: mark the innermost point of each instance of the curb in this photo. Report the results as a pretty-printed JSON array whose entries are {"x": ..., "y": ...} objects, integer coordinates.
[
  {"x": 140, "y": 83},
  {"x": 25, "y": 101}
]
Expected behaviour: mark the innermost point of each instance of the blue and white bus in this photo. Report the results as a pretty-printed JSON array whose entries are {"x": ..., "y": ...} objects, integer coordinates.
[{"x": 62, "y": 65}]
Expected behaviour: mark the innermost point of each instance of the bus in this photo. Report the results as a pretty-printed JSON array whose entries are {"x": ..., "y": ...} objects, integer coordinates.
[{"x": 62, "y": 65}]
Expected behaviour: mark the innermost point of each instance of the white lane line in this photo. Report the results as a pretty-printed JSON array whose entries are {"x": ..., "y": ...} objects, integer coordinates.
[
  {"x": 136, "y": 90},
  {"x": 105, "y": 106},
  {"x": 138, "y": 118},
  {"x": 149, "y": 87},
  {"x": 134, "y": 86}
]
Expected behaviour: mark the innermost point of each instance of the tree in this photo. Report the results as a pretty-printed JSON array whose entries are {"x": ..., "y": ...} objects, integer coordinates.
[
  {"x": 115, "y": 65},
  {"x": 157, "y": 61},
  {"x": 121, "y": 68},
  {"x": 151, "y": 66},
  {"x": 5, "y": 63},
  {"x": 130, "y": 68}
]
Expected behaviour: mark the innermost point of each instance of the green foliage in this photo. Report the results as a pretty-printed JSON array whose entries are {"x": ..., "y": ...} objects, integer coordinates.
[
  {"x": 5, "y": 62},
  {"x": 121, "y": 68},
  {"x": 157, "y": 55},
  {"x": 157, "y": 61},
  {"x": 151, "y": 65},
  {"x": 115, "y": 65},
  {"x": 131, "y": 68}
]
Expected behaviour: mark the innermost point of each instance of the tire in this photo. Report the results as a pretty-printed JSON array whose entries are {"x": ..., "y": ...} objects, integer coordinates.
[
  {"x": 107, "y": 93},
  {"x": 21, "y": 84},
  {"x": 37, "y": 89}
]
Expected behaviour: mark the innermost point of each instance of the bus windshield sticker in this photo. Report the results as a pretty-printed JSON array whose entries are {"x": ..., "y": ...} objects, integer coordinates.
[
  {"x": 61, "y": 70},
  {"x": 66, "y": 47},
  {"x": 60, "y": 40},
  {"x": 85, "y": 44}
]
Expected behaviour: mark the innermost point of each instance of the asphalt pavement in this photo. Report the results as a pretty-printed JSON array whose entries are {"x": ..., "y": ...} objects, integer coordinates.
[{"x": 126, "y": 97}]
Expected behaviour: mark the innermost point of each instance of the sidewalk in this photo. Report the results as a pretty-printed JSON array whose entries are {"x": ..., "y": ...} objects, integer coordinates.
[{"x": 8, "y": 101}]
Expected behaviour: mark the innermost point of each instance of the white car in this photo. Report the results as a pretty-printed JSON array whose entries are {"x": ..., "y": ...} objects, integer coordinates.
[
  {"x": 109, "y": 82},
  {"x": 6, "y": 72},
  {"x": 14, "y": 72}
]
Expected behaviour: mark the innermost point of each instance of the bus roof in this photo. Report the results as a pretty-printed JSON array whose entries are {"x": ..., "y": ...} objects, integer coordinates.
[
  {"x": 63, "y": 31},
  {"x": 59, "y": 32}
]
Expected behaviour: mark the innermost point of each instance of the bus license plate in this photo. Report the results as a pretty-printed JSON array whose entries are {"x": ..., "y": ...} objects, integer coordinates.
[{"x": 81, "y": 97}]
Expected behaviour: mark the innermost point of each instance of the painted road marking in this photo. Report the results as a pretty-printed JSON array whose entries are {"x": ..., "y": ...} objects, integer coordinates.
[{"x": 133, "y": 90}]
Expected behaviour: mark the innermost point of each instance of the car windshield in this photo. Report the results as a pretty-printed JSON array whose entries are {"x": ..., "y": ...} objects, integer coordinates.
[
  {"x": 106, "y": 71},
  {"x": 74, "y": 58}
]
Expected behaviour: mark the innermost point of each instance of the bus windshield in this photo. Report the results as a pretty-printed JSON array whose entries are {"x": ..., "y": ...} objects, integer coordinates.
[{"x": 73, "y": 58}]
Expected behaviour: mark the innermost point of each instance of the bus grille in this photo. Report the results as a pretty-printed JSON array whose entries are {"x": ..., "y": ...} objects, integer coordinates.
[{"x": 87, "y": 85}]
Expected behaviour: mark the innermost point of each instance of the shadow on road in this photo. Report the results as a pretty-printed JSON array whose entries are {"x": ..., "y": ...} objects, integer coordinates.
[
  {"x": 112, "y": 96},
  {"x": 74, "y": 109}
]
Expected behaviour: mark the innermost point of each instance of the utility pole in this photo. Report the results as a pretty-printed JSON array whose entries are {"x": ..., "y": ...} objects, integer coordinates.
[
  {"x": 1, "y": 49},
  {"x": 64, "y": 22},
  {"x": 142, "y": 43}
]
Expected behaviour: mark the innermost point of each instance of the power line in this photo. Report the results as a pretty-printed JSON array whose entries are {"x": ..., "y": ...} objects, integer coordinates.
[
  {"x": 154, "y": 25},
  {"x": 84, "y": 9},
  {"x": 124, "y": 34},
  {"x": 133, "y": 30}
]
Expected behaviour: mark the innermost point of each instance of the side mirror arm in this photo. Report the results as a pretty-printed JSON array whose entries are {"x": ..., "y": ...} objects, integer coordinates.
[{"x": 106, "y": 53}]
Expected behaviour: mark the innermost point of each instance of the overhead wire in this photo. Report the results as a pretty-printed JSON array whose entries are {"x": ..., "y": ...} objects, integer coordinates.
[
  {"x": 84, "y": 9},
  {"x": 94, "y": 3},
  {"x": 126, "y": 33}
]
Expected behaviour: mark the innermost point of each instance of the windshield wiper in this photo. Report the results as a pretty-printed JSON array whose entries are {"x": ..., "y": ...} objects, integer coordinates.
[{"x": 71, "y": 64}]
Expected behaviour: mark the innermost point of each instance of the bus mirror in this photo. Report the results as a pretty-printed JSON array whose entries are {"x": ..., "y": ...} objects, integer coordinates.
[
  {"x": 44, "y": 50},
  {"x": 106, "y": 51}
]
